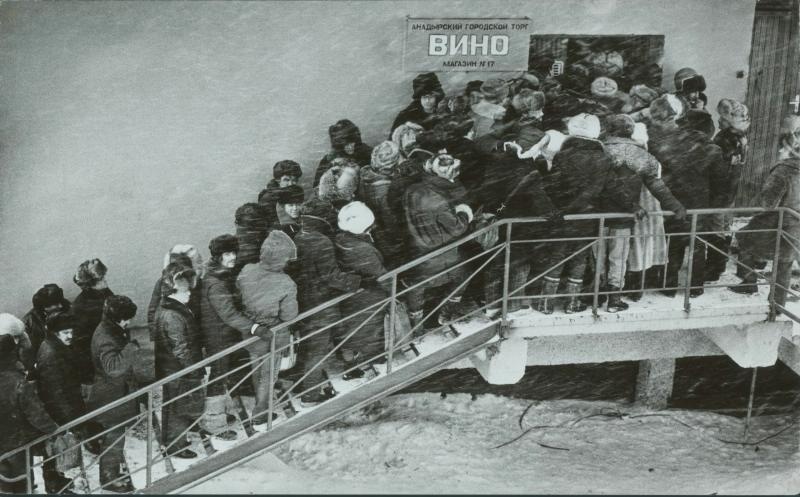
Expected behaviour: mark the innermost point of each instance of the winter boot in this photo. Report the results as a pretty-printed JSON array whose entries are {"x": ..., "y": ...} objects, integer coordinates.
[
  {"x": 633, "y": 279},
  {"x": 452, "y": 311},
  {"x": 574, "y": 305},
  {"x": 615, "y": 303},
  {"x": 550, "y": 287},
  {"x": 216, "y": 419}
]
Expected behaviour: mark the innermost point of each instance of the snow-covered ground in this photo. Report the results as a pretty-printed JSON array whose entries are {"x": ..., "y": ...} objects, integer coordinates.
[{"x": 421, "y": 443}]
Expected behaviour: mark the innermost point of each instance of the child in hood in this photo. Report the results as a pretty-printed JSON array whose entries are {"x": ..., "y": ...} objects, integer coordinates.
[
  {"x": 346, "y": 144},
  {"x": 269, "y": 295}
]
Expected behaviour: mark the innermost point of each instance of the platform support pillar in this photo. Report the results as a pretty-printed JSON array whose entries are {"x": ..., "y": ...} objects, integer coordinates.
[{"x": 654, "y": 383}]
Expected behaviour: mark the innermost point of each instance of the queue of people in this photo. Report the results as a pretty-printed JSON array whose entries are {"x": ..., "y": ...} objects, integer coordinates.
[{"x": 499, "y": 149}]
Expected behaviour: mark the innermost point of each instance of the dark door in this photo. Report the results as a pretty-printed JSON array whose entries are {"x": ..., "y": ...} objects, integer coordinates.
[{"x": 772, "y": 89}]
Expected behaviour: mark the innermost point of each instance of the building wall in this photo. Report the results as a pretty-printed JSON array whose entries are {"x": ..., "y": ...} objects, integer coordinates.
[{"x": 127, "y": 127}]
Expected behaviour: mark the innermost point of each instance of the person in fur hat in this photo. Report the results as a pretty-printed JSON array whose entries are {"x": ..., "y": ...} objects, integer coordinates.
[
  {"x": 285, "y": 173},
  {"x": 187, "y": 255},
  {"x": 606, "y": 92},
  {"x": 689, "y": 87},
  {"x": 59, "y": 387},
  {"x": 269, "y": 295},
  {"x": 47, "y": 301},
  {"x": 320, "y": 279},
  {"x": 781, "y": 189},
  {"x": 252, "y": 223},
  {"x": 290, "y": 204},
  {"x": 178, "y": 346},
  {"x": 88, "y": 310},
  {"x": 114, "y": 355},
  {"x": 223, "y": 324},
  {"x": 24, "y": 415},
  {"x": 339, "y": 184},
  {"x": 639, "y": 99},
  {"x": 374, "y": 191},
  {"x": 405, "y": 137},
  {"x": 639, "y": 175},
  {"x": 488, "y": 114},
  {"x": 691, "y": 168},
  {"x": 346, "y": 144},
  {"x": 579, "y": 180},
  {"x": 425, "y": 99},
  {"x": 357, "y": 254},
  {"x": 734, "y": 122},
  {"x": 435, "y": 215}
]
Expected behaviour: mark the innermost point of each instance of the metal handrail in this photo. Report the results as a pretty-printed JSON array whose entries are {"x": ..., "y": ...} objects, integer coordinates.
[{"x": 393, "y": 274}]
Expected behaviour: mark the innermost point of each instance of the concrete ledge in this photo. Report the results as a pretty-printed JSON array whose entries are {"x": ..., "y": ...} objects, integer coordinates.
[
  {"x": 750, "y": 345},
  {"x": 789, "y": 352}
]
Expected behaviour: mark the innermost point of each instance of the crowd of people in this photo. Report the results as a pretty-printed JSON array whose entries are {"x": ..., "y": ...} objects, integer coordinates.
[{"x": 519, "y": 148}]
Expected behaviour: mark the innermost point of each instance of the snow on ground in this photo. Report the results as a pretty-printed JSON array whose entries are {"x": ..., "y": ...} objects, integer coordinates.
[{"x": 421, "y": 443}]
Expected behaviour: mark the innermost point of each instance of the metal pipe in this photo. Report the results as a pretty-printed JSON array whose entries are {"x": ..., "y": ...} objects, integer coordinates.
[
  {"x": 271, "y": 379},
  {"x": 506, "y": 272},
  {"x": 392, "y": 316},
  {"x": 601, "y": 249},
  {"x": 750, "y": 404},
  {"x": 775, "y": 264},
  {"x": 149, "y": 460},
  {"x": 687, "y": 305}
]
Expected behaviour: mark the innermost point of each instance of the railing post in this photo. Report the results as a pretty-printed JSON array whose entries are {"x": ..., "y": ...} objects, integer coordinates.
[
  {"x": 271, "y": 379},
  {"x": 28, "y": 477},
  {"x": 687, "y": 305},
  {"x": 506, "y": 273},
  {"x": 601, "y": 250},
  {"x": 392, "y": 316},
  {"x": 773, "y": 311},
  {"x": 149, "y": 459}
]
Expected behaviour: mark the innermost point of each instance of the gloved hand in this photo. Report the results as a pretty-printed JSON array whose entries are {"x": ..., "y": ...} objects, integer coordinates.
[
  {"x": 466, "y": 210},
  {"x": 680, "y": 214},
  {"x": 263, "y": 332},
  {"x": 641, "y": 213}
]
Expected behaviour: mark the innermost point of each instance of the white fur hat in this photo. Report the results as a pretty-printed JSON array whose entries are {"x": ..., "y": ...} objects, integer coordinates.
[
  {"x": 584, "y": 125},
  {"x": 356, "y": 218},
  {"x": 11, "y": 325},
  {"x": 187, "y": 250}
]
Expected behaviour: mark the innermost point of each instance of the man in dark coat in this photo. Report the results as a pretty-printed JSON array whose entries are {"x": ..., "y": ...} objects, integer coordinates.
[
  {"x": 59, "y": 386},
  {"x": 345, "y": 144},
  {"x": 47, "y": 300},
  {"x": 579, "y": 181},
  {"x": 222, "y": 325},
  {"x": 177, "y": 346},
  {"x": 436, "y": 215},
  {"x": 285, "y": 173},
  {"x": 290, "y": 201},
  {"x": 319, "y": 280},
  {"x": 252, "y": 225},
  {"x": 356, "y": 253},
  {"x": 426, "y": 97},
  {"x": 88, "y": 311},
  {"x": 178, "y": 253},
  {"x": 734, "y": 122},
  {"x": 781, "y": 189},
  {"x": 114, "y": 355},
  {"x": 692, "y": 167},
  {"x": 24, "y": 416}
]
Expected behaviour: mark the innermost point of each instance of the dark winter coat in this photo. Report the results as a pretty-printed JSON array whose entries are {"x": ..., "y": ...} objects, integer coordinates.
[
  {"x": 692, "y": 166},
  {"x": 177, "y": 344},
  {"x": 155, "y": 301},
  {"x": 320, "y": 278},
  {"x": 414, "y": 113},
  {"x": 59, "y": 381},
  {"x": 432, "y": 222},
  {"x": 580, "y": 182},
  {"x": 268, "y": 198},
  {"x": 222, "y": 321},
  {"x": 361, "y": 156},
  {"x": 268, "y": 293},
  {"x": 36, "y": 329},
  {"x": 734, "y": 151},
  {"x": 356, "y": 254},
  {"x": 24, "y": 415},
  {"x": 250, "y": 240},
  {"x": 114, "y": 356},
  {"x": 374, "y": 191},
  {"x": 291, "y": 229},
  {"x": 633, "y": 168},
  {"x": 781, "y": 189},
  {"x": 88, "y": 310}
]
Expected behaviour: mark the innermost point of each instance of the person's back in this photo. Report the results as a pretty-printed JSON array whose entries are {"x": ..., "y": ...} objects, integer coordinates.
[
  {"x": 88, "y": 311},
  {"x": 683, "y": 155},
  {"x": 268, "y": 293}
]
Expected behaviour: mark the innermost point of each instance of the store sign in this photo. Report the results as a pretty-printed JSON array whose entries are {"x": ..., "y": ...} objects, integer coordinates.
[{"x": 460, "y": 44}]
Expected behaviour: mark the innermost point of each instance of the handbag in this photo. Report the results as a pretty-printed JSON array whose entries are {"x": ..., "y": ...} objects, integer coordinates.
[
  {"x": 402, "y": 326},
  {"x": 67, "y": 450}
]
